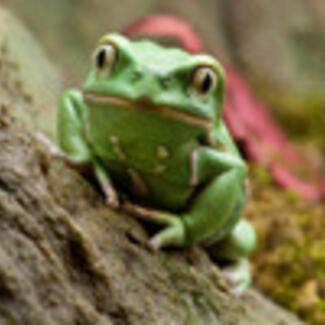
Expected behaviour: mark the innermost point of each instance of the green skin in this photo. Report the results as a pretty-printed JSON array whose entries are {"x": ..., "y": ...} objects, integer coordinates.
[{"x": 160, "y": 149}]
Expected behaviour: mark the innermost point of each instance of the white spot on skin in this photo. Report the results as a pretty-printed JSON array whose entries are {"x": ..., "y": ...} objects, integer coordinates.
[
  {"x": 162, "y": 152},
  {"x": 194, "y": 168},
  {"x": 159, "y": 169},
  {"x": 115, "y": 139},
  {"x": 139, "y": 187},
  {"x": 117, "y": 148}
]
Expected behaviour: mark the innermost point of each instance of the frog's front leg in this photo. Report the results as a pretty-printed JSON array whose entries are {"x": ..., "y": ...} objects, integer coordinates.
[
  {"x": 174, "y": 232},
  {"x": 215, "y": 216},
  {"x": 72, "y": 116},
  {"x": 72, "y": 124},
  {"x": 219, "y": 178},
  {"x": 211, "y": 213}
]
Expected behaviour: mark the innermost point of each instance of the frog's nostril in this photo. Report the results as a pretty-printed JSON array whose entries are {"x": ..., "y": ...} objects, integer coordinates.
[{"x": 165, "y": 82}]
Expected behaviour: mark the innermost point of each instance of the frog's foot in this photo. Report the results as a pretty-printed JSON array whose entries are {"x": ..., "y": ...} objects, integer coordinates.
[
  {"x": 51, "y": 146},
  {"x": 77, "y": 163},
  {"x": 172, "y": 235},
  {"x": 111, "y": 197},
  {"x": 141, "y": 212},
  {"x": 238, "y": 276},
  {"x": 236, "y": 249}
]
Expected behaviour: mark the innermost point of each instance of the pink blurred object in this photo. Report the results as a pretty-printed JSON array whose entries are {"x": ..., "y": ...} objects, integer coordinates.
[{"x": 249, "y": 121}]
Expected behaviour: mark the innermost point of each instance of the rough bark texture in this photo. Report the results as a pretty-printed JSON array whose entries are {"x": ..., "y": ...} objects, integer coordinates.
[{"x": 65, "y": 258}]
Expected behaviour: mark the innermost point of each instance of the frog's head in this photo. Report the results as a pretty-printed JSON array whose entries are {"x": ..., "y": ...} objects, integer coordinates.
[{"x": 144, "y": 75}]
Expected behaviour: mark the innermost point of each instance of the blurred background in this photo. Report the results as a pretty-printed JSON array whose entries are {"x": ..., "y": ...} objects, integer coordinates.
[{"x": 279, "y": 48}]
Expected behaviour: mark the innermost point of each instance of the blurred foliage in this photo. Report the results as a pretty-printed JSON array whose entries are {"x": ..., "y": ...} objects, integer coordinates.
[
  {"x": 289, "y": 264},
  {"x": 302, "y": 117}
]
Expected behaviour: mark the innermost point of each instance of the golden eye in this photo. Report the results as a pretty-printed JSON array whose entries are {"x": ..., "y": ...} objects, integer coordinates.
[
  {"x": 204, "y": 81},
  {"x": 104, "y": 59}
]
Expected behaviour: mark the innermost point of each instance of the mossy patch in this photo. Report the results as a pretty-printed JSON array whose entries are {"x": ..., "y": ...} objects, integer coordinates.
[{"x": 289, "y": 264}]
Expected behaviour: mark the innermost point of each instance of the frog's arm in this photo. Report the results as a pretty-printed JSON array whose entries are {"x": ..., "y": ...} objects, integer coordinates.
[
  {"x": 71, "y": 125},
  {"x": 72, "y": 119},
  {"x": 217, "y": 207}
]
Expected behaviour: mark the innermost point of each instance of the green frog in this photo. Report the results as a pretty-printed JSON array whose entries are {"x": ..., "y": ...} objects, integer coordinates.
[{"x": 149, "y": 121}]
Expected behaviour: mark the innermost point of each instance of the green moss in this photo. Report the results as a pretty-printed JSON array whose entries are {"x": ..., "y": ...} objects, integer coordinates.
[{"x": 289, "y": 264}]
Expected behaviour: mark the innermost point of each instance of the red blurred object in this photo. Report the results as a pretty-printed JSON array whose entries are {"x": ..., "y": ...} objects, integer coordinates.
[{"x": 249, "y": 121}]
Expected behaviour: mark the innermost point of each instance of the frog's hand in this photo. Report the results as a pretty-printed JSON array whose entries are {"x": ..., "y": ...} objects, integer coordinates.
[
  {"x": 215, "y": 214},
  {"x": 71, "y": 127},
  {"x": 172, "y": 235},
  {"x": 106, "y": 185}
]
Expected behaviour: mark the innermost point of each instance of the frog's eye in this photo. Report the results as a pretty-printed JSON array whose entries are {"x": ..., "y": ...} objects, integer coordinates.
[
  {"x": 104, "y": 59},
  {"x": 204, "y": 81}
]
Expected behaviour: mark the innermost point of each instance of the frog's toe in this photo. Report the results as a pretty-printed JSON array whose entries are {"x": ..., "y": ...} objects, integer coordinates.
[
  {"x": 155, "y": 244},
  {"x": 238, "y": 276},
  {"x": 173, "y": 235},
  {"x": 112, "y": 202}
]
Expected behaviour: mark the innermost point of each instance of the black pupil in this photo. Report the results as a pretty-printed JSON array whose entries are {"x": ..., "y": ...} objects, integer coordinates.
[
  {"x": 207, "y": 83},
  {"x": 101, "y": 56}
]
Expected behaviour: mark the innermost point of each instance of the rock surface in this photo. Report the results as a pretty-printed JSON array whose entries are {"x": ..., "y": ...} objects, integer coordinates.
[
  {"x": 65, "y": 258},
  {"x": 29, "y": 83}
]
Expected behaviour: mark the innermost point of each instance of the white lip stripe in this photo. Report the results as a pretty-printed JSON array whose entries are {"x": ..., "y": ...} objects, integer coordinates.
[{"x": 162, "y": 110}]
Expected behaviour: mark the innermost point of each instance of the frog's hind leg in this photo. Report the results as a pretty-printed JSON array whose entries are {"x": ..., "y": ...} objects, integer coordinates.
[{"x": 235, "y": 250}]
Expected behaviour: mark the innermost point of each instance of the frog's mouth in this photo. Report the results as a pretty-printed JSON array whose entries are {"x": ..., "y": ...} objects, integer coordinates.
[{"x": 146, "y": 105}]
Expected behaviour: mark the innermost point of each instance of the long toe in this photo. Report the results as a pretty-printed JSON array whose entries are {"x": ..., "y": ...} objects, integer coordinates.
[{"x": 173, "y": 235}]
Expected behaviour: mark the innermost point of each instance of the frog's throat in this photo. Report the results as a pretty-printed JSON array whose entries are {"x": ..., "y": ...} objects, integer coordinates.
[{"x": 161, "y": 110}]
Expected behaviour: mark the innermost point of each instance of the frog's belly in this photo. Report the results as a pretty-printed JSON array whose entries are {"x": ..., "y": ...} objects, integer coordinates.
[
  {"x": 148, "y": 189},
  {"x": 146, "y": 154}
]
